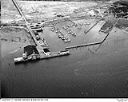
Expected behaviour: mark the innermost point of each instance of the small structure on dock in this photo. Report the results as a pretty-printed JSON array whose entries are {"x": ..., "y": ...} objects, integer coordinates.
[{"x": 30, "y": 49}]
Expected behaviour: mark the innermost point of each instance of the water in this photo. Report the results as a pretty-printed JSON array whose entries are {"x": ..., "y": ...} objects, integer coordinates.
[{"x": 85, "y": 73}]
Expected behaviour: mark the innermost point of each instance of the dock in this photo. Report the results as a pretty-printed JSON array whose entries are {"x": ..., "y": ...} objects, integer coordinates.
[
  {"x": 30, "y": 29},
  {"x": 40, "y": 49},
  {"x": 86, "y": 45}
]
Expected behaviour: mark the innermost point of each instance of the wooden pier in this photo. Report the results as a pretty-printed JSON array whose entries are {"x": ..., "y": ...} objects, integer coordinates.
[
  {"x": 86, "y": 45},
  {"x": 36, "y": 43}
]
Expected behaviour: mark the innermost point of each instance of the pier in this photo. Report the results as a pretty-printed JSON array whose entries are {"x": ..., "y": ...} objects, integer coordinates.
[
  {"x": 30, "y": 30},
  {"x": 40, "y": 49},
  {"x": 85, "y": 32},
  {"x": 86, "y": 45}
]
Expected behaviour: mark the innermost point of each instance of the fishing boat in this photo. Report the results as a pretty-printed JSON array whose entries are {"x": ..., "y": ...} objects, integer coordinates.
[{"x": 31, "y": 54}]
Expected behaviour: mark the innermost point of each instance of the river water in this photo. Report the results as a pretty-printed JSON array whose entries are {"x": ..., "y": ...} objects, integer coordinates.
[{"x": 84, "y": 73}]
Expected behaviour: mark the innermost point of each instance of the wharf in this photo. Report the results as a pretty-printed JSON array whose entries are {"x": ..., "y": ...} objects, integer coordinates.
[{"x": 31, "y": 32}]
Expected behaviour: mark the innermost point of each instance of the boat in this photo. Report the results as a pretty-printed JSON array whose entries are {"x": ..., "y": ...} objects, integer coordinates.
[
  {"x": 31, "y": 55},
  {"x": 60, "y": 36},
  {"x": 41, "y": 41},
  {"x": 67, "y": 40},
  {"x": 74, "y": 34}
]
